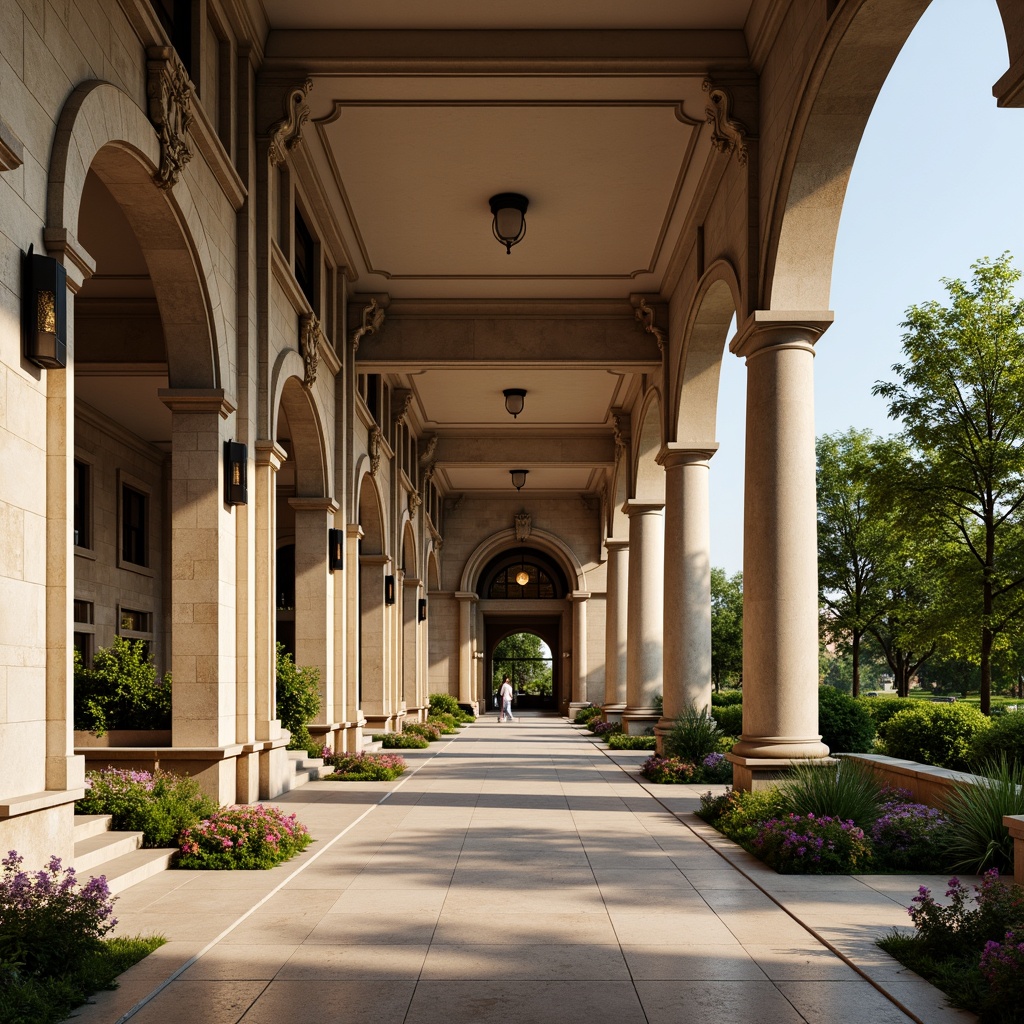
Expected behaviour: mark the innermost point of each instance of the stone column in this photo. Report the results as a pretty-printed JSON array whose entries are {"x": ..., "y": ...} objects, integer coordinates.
[
  {"x": 410, "y": 648},
  {"x": 616, "y": 591},
  {"x": 780, "y": 553},
  {"x": 687, "y": 581},
  {"x": 353, "y": 665},
  {"x": 202, "y": 587},
  {"x": 314, "y": 599},
  {"x": 645, "y": 615},
  {"x": 273, "y": 761},
  {"x": 579, "y": 651},
  {"x": 373, "y": 641},
  {"x": 467, "y": 665}
]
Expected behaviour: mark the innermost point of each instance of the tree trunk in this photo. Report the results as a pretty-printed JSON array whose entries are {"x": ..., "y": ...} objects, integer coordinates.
[{"x": 855, "y": 652}]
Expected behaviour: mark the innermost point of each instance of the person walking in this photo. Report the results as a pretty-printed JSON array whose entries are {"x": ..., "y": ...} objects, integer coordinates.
[{"x": 505, "y": 695}]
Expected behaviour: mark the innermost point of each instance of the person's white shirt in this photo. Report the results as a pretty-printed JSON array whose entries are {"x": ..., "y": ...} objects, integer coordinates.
[{"x": 506, "y": 692}]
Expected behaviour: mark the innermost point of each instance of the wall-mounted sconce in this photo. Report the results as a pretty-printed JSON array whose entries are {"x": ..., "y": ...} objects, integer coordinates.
[
  {"x": 45, "y": 311},
  {"x": 236, "y": 461},
  {"x": 478, "y": 655},
  {"x": 515, "y": 399},
  {"x": 335, "y": 549},
  {"x": 422, "y": 610},
  {"x": 389, "y": 589},
  {"x": 518, "y": 478}
]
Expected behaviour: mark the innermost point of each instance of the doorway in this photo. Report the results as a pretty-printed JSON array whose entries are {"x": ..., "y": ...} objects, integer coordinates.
[{"x": 528, "y": 649}]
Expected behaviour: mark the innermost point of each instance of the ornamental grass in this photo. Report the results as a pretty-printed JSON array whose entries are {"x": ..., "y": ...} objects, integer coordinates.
[{"x": 250, "y": 838}]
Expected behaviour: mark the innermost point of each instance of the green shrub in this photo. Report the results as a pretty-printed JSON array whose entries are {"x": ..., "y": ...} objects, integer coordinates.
[
  {"x": 729, "y": 718},
  {"x": 881, "y": 709},
  {"x": 426, "y": 730},
  {"x": 938, "y": 734},
  {"x": 364, "y": 767},
  {"x": 807, "y": 844},
  {"x": 444, "y": 703},
  {"x": 121, "y": 690},
  {"x": 846, "y": 728},
  {"x": 448, "y": 724},
  {"x": 979, "y": 839},
  {"x": 158, "y": 804},
  {"x": 1005, "y": 738},
  {"x": 401, "y": 741},
  {"x": 848, "y": 791},
  {"x": 620, "y": 741},
  {"x": 694, "y": 735},
  {"x": 725, "y": 698},
  {"x": 298, "y": 698},
  {"x": 587, "y": 714},
  {"x": 739, "y": 815},
  {"x": 246, "y": 838}
]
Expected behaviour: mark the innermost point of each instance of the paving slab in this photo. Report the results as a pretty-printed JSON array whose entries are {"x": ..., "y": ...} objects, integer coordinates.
[{"x": 517, "y": 874}]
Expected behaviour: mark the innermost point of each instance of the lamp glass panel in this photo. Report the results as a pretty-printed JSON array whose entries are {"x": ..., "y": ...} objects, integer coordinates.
[{"x": 508, "y": 223}]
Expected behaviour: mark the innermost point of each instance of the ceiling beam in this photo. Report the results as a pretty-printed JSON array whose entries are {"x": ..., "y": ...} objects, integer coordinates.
[{"x": 553, "y": 450}]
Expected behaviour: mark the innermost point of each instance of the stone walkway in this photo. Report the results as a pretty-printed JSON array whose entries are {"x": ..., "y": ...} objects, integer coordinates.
[{"x": 515, "y": 875}]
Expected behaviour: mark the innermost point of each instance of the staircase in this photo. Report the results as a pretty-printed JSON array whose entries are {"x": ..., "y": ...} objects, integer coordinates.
[
  {"x": 117, "y": 855},
  {"x": 307, "y": 769}
]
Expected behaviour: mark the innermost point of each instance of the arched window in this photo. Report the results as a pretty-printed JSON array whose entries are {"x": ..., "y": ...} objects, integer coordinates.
[{"x": 526, "y": 574}]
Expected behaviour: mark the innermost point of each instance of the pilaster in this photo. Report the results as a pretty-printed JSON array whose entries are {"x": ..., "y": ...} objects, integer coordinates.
[{"x": 615, "y": 629}]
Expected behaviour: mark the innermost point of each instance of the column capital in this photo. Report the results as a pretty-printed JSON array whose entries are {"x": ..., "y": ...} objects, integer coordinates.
[
  {"x": 780, "y": 329},
  {"x": 375, "y": 559},
  {"x": 412, "y": 581},
  {"x": 197, "y": 400},
  {"x": 269, "y": 453},
  {"x": 315, "y": 504},
  {"x": 633, "y": 507},
  {"x": 579, "y": 595},
  {"x": 466, "y": 595},
  {"x": 354, "y": 531},
  {"x": 686, "y": 453},
  {"x": 616, "y": 544}
]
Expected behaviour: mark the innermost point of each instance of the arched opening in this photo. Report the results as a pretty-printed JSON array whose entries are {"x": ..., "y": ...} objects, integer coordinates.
[
  {"x": 413, "y": 696},
  {"x": 372, "y": 621}
]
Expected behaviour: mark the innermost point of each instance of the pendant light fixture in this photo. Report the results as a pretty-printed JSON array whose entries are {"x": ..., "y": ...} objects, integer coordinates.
[
  {"x": 509, "y": 218},
  {"x": 518, "y": 478},
  {"x": 515, "y": 399}
]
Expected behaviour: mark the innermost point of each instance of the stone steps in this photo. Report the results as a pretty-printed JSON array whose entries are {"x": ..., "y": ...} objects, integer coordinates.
[{"x": 118, "y": 856}]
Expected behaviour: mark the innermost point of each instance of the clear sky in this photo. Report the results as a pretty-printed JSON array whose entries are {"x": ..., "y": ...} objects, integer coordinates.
[{"x": 938, "y": 183}]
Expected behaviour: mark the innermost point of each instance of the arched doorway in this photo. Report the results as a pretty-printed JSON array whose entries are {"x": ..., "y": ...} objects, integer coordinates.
[{"x": 523, "y": 593}]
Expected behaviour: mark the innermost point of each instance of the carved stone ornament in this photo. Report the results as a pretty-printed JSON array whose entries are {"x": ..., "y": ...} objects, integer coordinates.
[
  {"x": 414, "y": 502},
  {"x": 373, "y": 320},
  {"x": 310, "y": 337},
  {"x": 428, "y": 452},
  {"x": 620, "y": 424},
  {"x": 375, "y": 439},
  {"x": 727, "y": 134},
  {"x": 645, "y": 315},
  {"x": 524, "y": 524},
  {"x": 286, "y": 134},
  {"x": 170, "y": 101},
  {"x": 591, "y": 502},
  {"x": 403, "y": 403}
]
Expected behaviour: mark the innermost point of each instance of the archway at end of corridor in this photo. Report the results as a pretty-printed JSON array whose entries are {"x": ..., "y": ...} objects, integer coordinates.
[{"x": 527, "y": 659}]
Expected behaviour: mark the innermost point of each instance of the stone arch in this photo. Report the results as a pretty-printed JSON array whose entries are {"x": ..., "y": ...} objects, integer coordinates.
[
  {"x": 433, "y": 577},
  {"x": 376, "y": 668},
  {"x": 547, "y": 542},
  {"x": 617, "y": 523},
  {"x": 103, "y": 130},
  {"x": 370, "y": 515},
  {"x": 410, "y": 561},
  {"x": 825, "y": 129},
  {"x": 309, "y": 443},
  {"x": 705, "y": 334},
  {"x": 648, "y": 476}
]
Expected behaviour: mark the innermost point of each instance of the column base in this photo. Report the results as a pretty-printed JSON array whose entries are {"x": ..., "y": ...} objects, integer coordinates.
[
  {"x": 661, "y": 730},
  {"x": 613, "y": 712},
  {"x": 786, "y": 747},
  {"x": 752, "y": 774},
  {"x": 576, "y": 705},
  {"x": 639, "y": 721}
]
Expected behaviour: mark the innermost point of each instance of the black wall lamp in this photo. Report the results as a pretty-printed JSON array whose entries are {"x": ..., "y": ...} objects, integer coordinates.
[
  {"x": 423, "y": 610},
  {"x": 45, "y": 311},
  {"x": 389, "y": 589},
  {"x": 335, "y": 549},
  {"x": 236, "y": 461},
  {"x": 518, "y": 478},
  {"x": 515, "y": 399},
  {"x": 509, "y": 218}
]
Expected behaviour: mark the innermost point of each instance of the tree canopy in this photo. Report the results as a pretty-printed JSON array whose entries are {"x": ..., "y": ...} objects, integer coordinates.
[{"x": 726, "y": 627}]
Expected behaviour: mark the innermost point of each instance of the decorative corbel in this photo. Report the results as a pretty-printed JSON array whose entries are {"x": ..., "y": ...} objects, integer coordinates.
[
  {"x": 286, "y": 134},
  {"x": 414, "y": 501},
  {"x": 170, "y": 100},
  {"x": 427, "y": 458},
  {"x": 727, "y": 134},
  {"x": 591, "y": 502},
  {"x": 375, "y": 439},
  {"x": 310, "y": 336},
  {"x": 403, "y": 403},
  {"x": 373, "y": 320},
  {"x": 645, "y": 315},
  {"x": 453, "y": 501},
  {"x": 620, "y": 427},
  {"x": 524, "y": 525}
]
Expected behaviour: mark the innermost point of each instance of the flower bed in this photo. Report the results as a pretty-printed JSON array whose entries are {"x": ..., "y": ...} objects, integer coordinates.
[
  {"x": 798, "y": 844},
  {"x": 712, "y": 768},
  {"x": 255, "y": 837},
  {"x": 401, "y": 741},
  {"x": 364, "y": 767}
]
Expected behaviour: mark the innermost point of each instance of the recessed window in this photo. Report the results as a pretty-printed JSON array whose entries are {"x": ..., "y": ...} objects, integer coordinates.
[
  {"x": 84, "y": 636},
  {"x": 134, "y": 526},
  {"x": 82, "y": 517},
  {"x": 523, "y": 580},
  {"x": 176, "y": 18},
  {"x": 305, "y": 259},
  {"x": 134, "y": 624}
]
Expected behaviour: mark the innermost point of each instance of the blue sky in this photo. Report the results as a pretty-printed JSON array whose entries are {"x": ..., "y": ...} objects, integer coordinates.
[{"x": 936, "y": 186}]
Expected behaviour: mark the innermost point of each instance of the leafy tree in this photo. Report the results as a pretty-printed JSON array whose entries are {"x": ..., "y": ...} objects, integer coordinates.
[
  {"x": 851, "y": 542},
  {"x": 960, "y": 395},
  {"x": 298, "y": 698},
  {"x": 726, "y": 627},
  {"x": 524, "y": 658}
]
